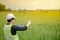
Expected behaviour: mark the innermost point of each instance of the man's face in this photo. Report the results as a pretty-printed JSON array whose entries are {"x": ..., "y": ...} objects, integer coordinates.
[{"x": 13, "y": 21}]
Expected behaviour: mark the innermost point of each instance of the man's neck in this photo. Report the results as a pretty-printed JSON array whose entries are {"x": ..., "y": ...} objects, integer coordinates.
[{"x": 9, "y": 23}]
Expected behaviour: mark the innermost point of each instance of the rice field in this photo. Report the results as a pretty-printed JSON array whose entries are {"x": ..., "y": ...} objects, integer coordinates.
[{"x": 44, "y": 25}]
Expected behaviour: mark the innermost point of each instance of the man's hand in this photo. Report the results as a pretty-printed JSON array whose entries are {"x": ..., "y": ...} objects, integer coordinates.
[{"x": 28, "y": 24}]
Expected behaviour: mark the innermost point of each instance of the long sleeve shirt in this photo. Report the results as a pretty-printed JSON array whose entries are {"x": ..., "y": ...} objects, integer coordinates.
[{"x": 15, "y": 28}]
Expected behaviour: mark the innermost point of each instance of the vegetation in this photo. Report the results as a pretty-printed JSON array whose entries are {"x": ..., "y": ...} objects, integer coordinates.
[{"x": 45, "y": 25}]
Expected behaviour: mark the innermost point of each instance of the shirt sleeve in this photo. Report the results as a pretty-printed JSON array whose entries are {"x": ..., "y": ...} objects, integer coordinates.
[
  {"x": 15, "y": 28},
  {"x": 19, "y": 28}
]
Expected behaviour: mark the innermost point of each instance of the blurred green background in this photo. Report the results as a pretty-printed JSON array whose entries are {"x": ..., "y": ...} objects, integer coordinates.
[{"x": 45, "y": 24}]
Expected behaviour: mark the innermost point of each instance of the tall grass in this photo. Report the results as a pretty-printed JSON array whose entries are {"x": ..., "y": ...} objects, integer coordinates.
[{"x": 44, "y": 26}]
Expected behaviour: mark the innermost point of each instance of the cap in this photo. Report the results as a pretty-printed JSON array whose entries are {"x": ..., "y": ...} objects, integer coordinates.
[{"x": 10, "y": 16}]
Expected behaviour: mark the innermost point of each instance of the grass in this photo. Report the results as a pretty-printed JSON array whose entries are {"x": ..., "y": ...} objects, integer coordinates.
[{"x": 44, "y": 26}]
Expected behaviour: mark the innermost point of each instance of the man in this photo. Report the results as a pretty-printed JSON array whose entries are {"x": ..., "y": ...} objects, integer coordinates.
[{"x": 10, "y": 29}]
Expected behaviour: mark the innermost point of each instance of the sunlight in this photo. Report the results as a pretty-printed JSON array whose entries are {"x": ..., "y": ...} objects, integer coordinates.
[{"x": 35, "y": 2}]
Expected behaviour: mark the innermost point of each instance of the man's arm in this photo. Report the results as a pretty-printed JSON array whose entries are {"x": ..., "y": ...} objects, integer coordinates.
[
  {"x": 19, "y": 28},
  {"x": 14, "y": 29}
]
